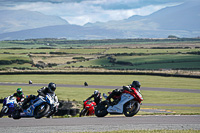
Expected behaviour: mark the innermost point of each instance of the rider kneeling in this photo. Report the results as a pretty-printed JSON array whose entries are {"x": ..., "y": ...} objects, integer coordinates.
[
  {"x": 41, "y": 92},
  {"x": 115, "y": 94}
]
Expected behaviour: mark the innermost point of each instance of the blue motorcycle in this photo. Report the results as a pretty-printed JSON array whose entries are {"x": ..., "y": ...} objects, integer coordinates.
[
  {"x": 9, "y": 106},
  {"x": 38, "y": 107}
]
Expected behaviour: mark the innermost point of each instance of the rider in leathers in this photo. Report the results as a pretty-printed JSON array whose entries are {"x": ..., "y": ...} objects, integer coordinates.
[
  {"x": 42, "y": 92},
  {"x": 97, "y": 97},
  {"x": 118, "y": 92},
  {"x": 19, "y": 95}
]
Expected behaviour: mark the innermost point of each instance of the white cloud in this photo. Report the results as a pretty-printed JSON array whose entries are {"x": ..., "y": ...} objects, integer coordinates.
[{"x": 89, "y": 10}]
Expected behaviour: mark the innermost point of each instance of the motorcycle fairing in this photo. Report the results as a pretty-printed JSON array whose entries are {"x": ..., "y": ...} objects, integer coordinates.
[
  {"x": 9, "y": 105},
  {"x": 89, "y": 106},
  {"x": 11, "y": 100},
  {"x": 50, "y": 98},
  {"x": 30, "y": 110},
  {"x": 119, "y": 107}
]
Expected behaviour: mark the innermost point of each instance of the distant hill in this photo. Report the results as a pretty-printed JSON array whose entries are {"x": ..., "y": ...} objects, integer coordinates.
[
  {"x": 182, "y": 21},
  {"x": 61, "y": 31},
  {"x": 16, "y": 20},
  {"x": 181, "y": 17}
]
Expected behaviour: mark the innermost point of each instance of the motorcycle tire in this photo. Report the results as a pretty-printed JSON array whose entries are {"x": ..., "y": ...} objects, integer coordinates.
[
  {"x": 39, "y": 113},
  {"x": 129, "y": 112},
  {"x": 101, "y": 109},
  {"x": 51, "y": 114},
  {"x": 1, "y": 115},
  {"x": 16, "y": 114},
  {"x": 83, "y": 112},
  {"x": 4, "y": 110}
]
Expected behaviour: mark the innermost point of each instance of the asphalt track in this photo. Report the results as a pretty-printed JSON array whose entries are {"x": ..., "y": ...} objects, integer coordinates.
[{"x": 94, "y": 124}]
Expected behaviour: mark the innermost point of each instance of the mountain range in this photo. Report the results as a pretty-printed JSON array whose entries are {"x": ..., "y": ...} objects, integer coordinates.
[{"x": 181, "y": 20}]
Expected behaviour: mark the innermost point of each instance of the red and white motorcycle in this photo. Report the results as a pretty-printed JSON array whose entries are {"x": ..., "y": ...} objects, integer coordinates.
[{"x": 128, "y": 104}]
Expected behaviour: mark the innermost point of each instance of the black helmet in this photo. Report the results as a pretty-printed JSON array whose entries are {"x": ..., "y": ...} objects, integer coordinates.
[
  {"x": 52, "y": 87},
  {"x": 136, "y": 85},
  {"x": 19, "y": 91}
]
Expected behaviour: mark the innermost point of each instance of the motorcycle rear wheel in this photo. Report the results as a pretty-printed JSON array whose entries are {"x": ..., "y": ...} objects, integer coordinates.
[
  {"x": 131, "y": 109},
  {"x": 101, "y": 109},
  {"x": 83, "y": 112},
  {"x": 41, "y": 110}
]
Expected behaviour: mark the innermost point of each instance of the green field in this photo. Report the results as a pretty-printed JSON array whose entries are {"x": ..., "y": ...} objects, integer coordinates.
[
  {"x": 13, "y": 57},
  {"x": 134, "y": 43},
  {"x": 111, "y": 54},
  {"x": 142, "y": 62},
  {"x": 150, "y": 62},
  {"x": 177, "y": 56},
  {"x": 149, "y": 51}
]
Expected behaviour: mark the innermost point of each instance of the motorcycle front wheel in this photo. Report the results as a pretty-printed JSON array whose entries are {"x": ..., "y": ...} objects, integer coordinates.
[
  {"x": 131, "y": 108},
  {"x": 1, "y": 114},
  {"x": 41, "y": 110},
  {"x": 16, "y": 114},
  {"x": 101, "y": 109},
  {"x": 83, "y": 112}
]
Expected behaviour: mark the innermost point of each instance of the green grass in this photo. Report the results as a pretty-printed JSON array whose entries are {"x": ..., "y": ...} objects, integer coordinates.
[
  {"x": 26, "y": 51},
  {"x": 178, "y": 110},
  {"x": 159, "y": 58},
  {"x": 163, "y": 97},
  {"x": 13, "y": 57},
  {"x": 155, "y": 62},
  {"x": 82, "y": 51},
  {"x": 159, "y": 66},
  {"x": 110, "y": 80},
  {"x": 68, "y": 51},
  {"x": 26, "y": 65},
  {"x": 148, "y": 51},
  {"x": 96, "y": 62},
  {"x": 150, "y": 62}
]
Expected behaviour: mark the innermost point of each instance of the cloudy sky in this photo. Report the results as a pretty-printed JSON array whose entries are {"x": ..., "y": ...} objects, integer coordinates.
[{"x": 81, "y": 12}]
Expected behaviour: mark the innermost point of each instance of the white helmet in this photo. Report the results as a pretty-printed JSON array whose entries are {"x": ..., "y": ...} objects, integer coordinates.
[{"x": 96, "y": 92}]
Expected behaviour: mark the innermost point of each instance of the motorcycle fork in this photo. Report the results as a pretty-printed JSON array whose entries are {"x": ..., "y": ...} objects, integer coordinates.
[{"x": 5, "y": 109}]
